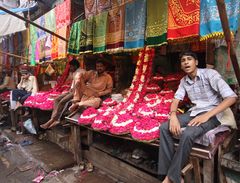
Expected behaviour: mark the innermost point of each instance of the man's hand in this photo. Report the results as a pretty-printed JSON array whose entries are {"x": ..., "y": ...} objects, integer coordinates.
[
  {"x": 199, "y": 120},
  {"x": 174, "y": 125}
]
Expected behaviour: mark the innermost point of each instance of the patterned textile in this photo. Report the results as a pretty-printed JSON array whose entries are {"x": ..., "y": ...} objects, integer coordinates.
[
  {"x": 90, "y": 8},
  {"x": 210, "y": 25},
  {"x": 54, "y": 48},
  {"x": 47, "y": 47},
  {"x": 103, "y": 5},
  {"x": 40, "y": 21},
  {"x": 62, "y": 12},
  {"x": 74, "y": 39},
  {"x": 62, "y": 45},
  {"x": 183, "y": 19},
  {"x": 115, "y": 30},
  {"x": 115, "y": 3},
  {"x": 86, "y": 36},
  {"x": 156, "y": 30},
  {"x": 221, "y": 61},
  {"x": 99, "y": 32},
  {"x": 50, "y": 20},
  {"x": 135, "y": 20},
  {"x": 33, "y": 39}
]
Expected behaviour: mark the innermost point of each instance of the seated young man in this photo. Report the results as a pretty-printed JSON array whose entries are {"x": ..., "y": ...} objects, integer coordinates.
[
  {"x": 26, "y": 87},
  {"x": 61, "y": 100},
  {"x": 211, "y": 97},
  {"x": 8, "y": 84},
  {"x": 91, "y": 86}
]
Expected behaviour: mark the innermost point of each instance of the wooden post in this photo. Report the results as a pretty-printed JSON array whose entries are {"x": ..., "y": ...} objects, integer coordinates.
[
  {"x": 225, "y": 25},
  {"x": 77, "y": 147}
]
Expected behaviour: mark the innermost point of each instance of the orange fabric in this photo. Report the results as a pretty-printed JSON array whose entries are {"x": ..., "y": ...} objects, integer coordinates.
[{"x": 183, "y": 18}]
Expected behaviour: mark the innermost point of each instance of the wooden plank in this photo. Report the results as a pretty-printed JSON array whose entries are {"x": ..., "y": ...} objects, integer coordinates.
[
  {"x": 208, "y": 171},
  {"x": 117, "y": 168},
  {"x": 197, "y": 170},
  {"x": 77, "y": 147}
]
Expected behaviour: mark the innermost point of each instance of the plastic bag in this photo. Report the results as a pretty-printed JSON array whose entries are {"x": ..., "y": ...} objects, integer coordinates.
[{"x": 29, "y": 126}]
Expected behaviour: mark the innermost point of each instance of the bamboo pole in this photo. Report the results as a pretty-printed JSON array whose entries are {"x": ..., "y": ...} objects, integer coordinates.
[
  {"x": 224, "y": 20},
  {"x": 31, "y": 22},
  {"x": 13, "y": 55}
]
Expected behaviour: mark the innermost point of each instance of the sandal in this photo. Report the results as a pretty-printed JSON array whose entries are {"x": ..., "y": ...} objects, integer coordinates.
[{"x": 89, "y": 167}]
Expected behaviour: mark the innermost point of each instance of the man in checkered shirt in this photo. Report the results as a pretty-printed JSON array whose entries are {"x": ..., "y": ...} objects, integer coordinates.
[{"x": 211, "y": 97}]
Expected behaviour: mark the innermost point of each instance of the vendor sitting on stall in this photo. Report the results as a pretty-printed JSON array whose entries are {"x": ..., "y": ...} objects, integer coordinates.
[
  {"x": 211, "y": 97},
  {"x": 26, "y": 87},
  {"x": 8, "y": 84},
  {"x": 61, "y": 100},
  {"x": 91, "y": 87}
]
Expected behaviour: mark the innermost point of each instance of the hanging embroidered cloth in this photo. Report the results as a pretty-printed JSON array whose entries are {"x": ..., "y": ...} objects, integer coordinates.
[
  {"x": 74, "y": 39},
  {"x": 54, "y": 48},
  {"x": 103, "y": 5},
  {"x": 99, "y": 32},
  {"x": 135, "y": 20},
  {"x": 40, "y": 21},
  {"x": 86, "y": 39},
  {"x": 90, "y": 7},
  {"x": 115, "y": 30},
  {"x": 156, "y": 30},
  {"x": 62, "y": 12},
  {"x": 183, "y": 19},
  {"x": 115, "y": 3},
  {"x": 33, "y": 41},
  {"x": 47, "y": 47},
  {"x": 62, "y": 45},
  {"x": 210, "y": 25},
  {"x": 50, "y": 20}
]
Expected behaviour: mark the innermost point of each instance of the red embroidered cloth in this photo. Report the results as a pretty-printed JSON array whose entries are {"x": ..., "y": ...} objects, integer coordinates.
[{"x": 183, "y": 18}]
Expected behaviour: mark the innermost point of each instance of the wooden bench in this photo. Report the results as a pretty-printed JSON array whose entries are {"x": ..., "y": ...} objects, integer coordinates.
[{"x": 199, "y": 153}]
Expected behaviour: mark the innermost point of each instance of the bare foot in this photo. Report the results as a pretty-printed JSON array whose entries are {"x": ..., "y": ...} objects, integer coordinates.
[
  {"x": 166, "y": 180},
  {"x": 73, "y": 107},
  {"x": 47, "y": 124},
  {"x": 55, "y": 123}
]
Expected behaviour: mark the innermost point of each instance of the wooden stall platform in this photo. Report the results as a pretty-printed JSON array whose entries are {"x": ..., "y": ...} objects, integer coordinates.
[{"x": 204, "y": 158}]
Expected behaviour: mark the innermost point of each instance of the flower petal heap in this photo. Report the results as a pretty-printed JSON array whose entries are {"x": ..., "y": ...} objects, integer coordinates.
[
  {"x": 146, "y": 129},
  {"x": 121, "y": 124},
  {"x": 88, "y": 116},
  {"x": 109, "y": 102}
]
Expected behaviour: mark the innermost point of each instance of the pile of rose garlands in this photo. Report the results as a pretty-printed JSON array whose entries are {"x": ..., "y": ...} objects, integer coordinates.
[{"x": 140, "y": 113}]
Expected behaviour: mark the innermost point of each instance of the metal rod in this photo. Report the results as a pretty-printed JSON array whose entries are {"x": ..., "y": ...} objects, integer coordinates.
[
  {"x": 225, "y": 25},
  {"x": 31, "y": 22},
  {"x": 13, "y": 55}
]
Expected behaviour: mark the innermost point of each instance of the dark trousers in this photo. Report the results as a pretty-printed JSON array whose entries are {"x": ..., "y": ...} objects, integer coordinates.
[
  {"x": 171, "y": 162},
  {"x": 20, "y": 95},
  {"x": 59, "y": 104}
]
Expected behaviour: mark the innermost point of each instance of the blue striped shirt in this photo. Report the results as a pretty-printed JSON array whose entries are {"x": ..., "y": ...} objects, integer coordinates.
[{"x": 206, "y": 92}]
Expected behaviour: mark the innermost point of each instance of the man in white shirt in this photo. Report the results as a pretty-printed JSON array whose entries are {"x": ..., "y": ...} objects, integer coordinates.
[{"x": 26, "y": 87}]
